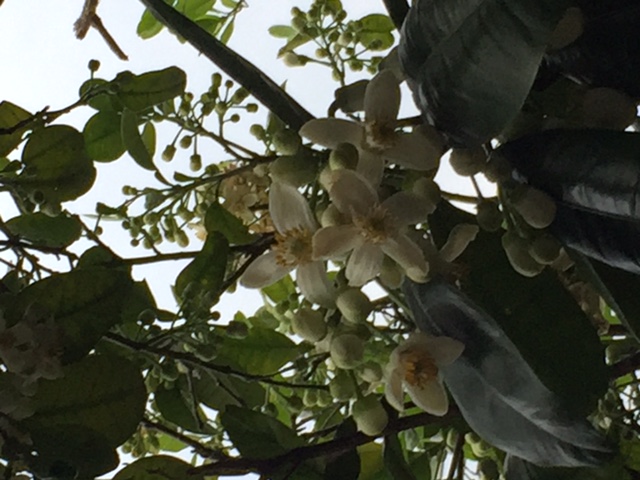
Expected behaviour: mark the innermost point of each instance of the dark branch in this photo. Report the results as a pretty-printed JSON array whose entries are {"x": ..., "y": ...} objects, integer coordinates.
[
  {"x": 245, "y": 73},
  {"x": 397, "y": 10}
]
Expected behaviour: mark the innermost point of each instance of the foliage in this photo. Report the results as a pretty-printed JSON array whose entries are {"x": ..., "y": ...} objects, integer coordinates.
[{"x": 354, "y": 247}]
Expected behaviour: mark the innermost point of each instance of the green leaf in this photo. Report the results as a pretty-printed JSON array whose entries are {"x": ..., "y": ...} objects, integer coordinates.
[
  {"x": 219, "y": 219},
  {"x": 296, "y": 41},
  {"x": 227, "y": 32},
  {"x": 282, "y": 31},
  {"x": 10, "y": 116},
  {"x": 281, "y": 290},
  {"x": 56, "y": 164},
  {"x": 139, "y": 92},
  {"x": 84, "y": 303},
  {"x": 257, "y": 435},
  {"x": 378, "y": 23},
  {"x": 148, "y": 26},
  {"x": 176, "y": 409},
  {"x": 158, "y": 467},
  {"x": 219, "y": 390},
  {"x": 472, "y": 66},
  {"x": 167, "y": 443},
  {"x": 75, "y": 450},
  {"x": 105, "y": 100},
  {"x": 206, "y": 271},
  {"x": 196, "y": 8},
  {"x": 262, "y": 352},
  {"x": 371, "y": 461},
  {"x": 41, "y": 229},
  {"x": 132, "y": 140},
  {"x": 149, "y": 138},
  {"x": 394, "y": 460},
  {"x": 102, "y": 137},
  {"x": 92, "y": 393}
]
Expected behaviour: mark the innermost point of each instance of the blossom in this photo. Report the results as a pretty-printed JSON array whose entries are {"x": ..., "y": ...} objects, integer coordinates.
[
  {"x": 295, "y": 226},
  {"x": 414, "y": 366},
  {"x": 374, "y": 229},
  {"x": 376, "y": 138}
]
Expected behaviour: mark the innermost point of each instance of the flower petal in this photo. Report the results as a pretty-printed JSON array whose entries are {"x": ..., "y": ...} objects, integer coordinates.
[
  {"x": 393, "y": 389},
  {"x": 371, "y": 167},
  {"x": 333, "y": 242},
  {"x": 364, "y": 264},
  {"x": 429, "y": 396},
  {"x": 329, "y": 132},
  {"x": 289, "y": 209},
  {"x": 459, "y": 239},
  {"x": 407, "y": 208},
  {"x": 382, "y": 98},
  {"x": 415, "y": 151},
  {"x": 408, "y": 255},
  {"x": 263, "y": 271},
  {"x": 352, "y": 193},
  {"x": 315, "y": 285},
  {"x": 443, "y": 350}
]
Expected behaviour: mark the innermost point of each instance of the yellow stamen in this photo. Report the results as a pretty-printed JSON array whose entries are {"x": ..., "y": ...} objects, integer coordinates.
[
  {"x": 419, "y": 367},
  {"x": 379, "y": 136},
  {"x": 293, "y": 247},
  {"x": 376, "y": 226}
]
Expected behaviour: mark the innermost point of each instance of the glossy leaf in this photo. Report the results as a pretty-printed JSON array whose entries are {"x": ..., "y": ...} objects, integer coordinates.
[
  {"x": 56, "y": 164},
  {"x": 10, "y": 116},
  {"x": 176, "y": 409},
  {"x": 102, "y": 137},
  {"x": 92, "y": 393},
  {"x": 206, "y": 271},
  {"x": 158, "y": 467},
  {"x": 262, "y": 352},
  {"x": 139, "y": 92},
  {"x": 219, "y": 219},
  {"x": 41, "y": 229},
  {"x": 132, "y": 140},
  {"x": 257, "y": 435},
  {"x": 84, "y": 304},
  {"x": 472, "y": 66}
]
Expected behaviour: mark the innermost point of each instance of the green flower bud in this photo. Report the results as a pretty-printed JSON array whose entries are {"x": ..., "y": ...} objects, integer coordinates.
[
  {"x": 468, "y": 161},
  {"x": 94, "y": 65},
  {"x": 195, "y": 162},
  {"x": 347, "y": 350},
  {"x": 497, "y": 169},
  {"x": 293, "y": 60},
  {"x": 257, "y": 131},
  {"x": 185, "y": 142},
  {"x": 429, "y": 190},
  {"x": 345, "y": 155},
  {"x": 287, "y": 142},
  {"x": 252, "y": 107},
  {"x": 371, "y": 372},
  {"x": 168, "y": 153},
  {"x": 182, "y": 239},
  {"x": 310, "y": 398},
  {"x": 324, "y": 398},
  {"x": 341, "y": 387},
  {"x": 354, "y": 305},
  {"x": 536, "y": 207},
  {"x": 370, "y": 416},
  {"x": 235, "y": 118},
  {"x": 489, "y": 216},
  {"x": 294, "y": 170},
  {"x": 545, "y": 249},
  {"x": 517, "y": 250},
  {"x": 309, "y": 324}
]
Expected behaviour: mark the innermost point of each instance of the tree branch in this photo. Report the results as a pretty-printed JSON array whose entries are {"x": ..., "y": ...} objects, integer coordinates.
[{"x": 263, "y": 88}]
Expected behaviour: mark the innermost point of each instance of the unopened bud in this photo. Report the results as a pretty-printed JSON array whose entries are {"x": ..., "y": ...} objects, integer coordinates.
[
  {"x": 536, "y": 207},
  {"x": 517, "y": 250},
  {"x": 354, "y": 305},
  {"x": 347, "y": 350},
  {"x": 370, "y": 416},
  {"x": 468, "y": 161}
]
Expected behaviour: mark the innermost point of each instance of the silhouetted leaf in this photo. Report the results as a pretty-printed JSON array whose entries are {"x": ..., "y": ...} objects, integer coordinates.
[
  {"x": 10, "y": 116},
  {"x": 158, "y": 467},
  {"x": 41, "y": 229}
]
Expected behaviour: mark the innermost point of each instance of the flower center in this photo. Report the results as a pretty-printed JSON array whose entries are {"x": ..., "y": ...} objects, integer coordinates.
[
  {"x": 376, "y": 225},
  {"x": 293, "y": 247},
  {"x": 419, "y": 368},
  {"x": 379, "y": 136}
]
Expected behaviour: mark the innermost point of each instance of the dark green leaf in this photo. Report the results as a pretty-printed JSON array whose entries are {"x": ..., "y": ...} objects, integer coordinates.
[
  {"x": 84, "y": 303},
  {"x": 99, "y": 95},
  {"x": 262, "y": 352},
  {"x": 257, "y": 435},
  {"x": 133, "y": 142},
  {"x": 176, "y": 409},
  {"x": 473, "y": 65},
  {"x": 10, "y": 116},
  {"x": 92, "y": 393},
  {"x": 206, "y": 271},
  {"x": 149, "y": 138},
  {"x": 394, "y": 460},
  {"x": 56, "y": 164},
  {"x": 102, "y": 137},
  {"x": 219, "y": 219},
  {"x": 76, "y": 449},
  {"x": 41, "y": 229},
  {"x": 139, "y": 92},
  {"x": 158, "y": 467}
]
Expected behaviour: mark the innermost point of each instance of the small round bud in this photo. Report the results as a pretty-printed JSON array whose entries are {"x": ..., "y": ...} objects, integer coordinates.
[
  {"x": 294, "y": 170},
  {"x": 293, "y": 60},
  {"x": 195, "y": 162},
  {"x": 185, "y": 142},
  {"x": 257, "y": 131},
  {"x": 545, "y": 249},
  {"x": 489, "y": 216},
  {"x": 354, "y": 305},
  {"x": 216, "y": 80},
  {"x": 429, "y": 190},
  {"x": 536, "y": 207},
  {"x": 371, "y": 372},
  {"x": 497, "y": 169},
  {"x": 252, "y": 107},
  {"x": 235, "y": 118},
  {"x": 342, "y": 387},
  {"x": 94, "y": 65},
  {"x": 228, "y": 84},
  {"x": 347, "y": 350},
  {"x": 310, "y": 398},
  {"x": 517, "y": 250},
  {"x": 309, "y": 324},
  {"x": 468, "y": 161},
  {"x": 182, "y": 239},
  {"x": 287, "y": 142},
  {"x": 168, "y": 153},
  {"x": 345, "y": 155},
  {"x": 370, "y": 416}
]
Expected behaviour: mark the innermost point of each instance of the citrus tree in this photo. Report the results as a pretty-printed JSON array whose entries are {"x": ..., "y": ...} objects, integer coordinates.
[{"x": 406, "y": 332}]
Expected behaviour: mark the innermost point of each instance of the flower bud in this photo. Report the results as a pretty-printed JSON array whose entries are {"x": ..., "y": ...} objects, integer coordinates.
[
  {"x": 309, "y": 324},
  {"x": 347, "y": 350},
  {"x": 497, "y": 169},
  {"x": 468, "y": 161},
  {"x": 354, "y": 305},
  {"x": 168, "y": 153},
  {"x": 371, "y": 372},
  {"x": 370, "y": 416},
  {"x": 459, "y": 239},
  {"x": 536, "y": 207},
  {"x": 345, "y": 155},
  {"x": 545, "y": 249},
  {"x": 517, "y": 250},
  {"x": 489, "y": 216},
  {"x": 341, "y": 387},
  {"x": 294, "y": 170},
  {"x": 286, "y": 142},
  {"x": 429, "y": 190}
]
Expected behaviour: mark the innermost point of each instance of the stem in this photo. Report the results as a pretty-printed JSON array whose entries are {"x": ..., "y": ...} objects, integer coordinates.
[
  {"x": 263, "y": 88},
  {"x": 197, "y": 446}
]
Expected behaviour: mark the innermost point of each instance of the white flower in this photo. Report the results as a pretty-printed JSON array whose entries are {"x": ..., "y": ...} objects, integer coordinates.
[
  {"x": 376, "y": 138},
  {"x": 295, "y": 227},
  {"x": 375, "y": 229},
  {"x": 414, "y": 366}
]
